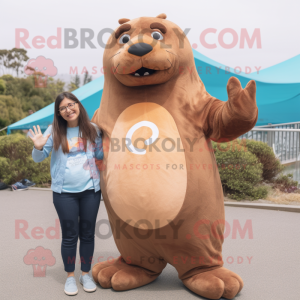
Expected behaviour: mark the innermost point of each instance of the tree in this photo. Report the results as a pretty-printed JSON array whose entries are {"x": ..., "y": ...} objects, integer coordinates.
[
  {"x": 3, "y": 124},
  {"x": 5, "y": 60},
  {"x": 19, "y": 56},
  {"x": 2, "y": 87},
  {"x": 2, "y": 54},
  {"x": 31, "y": 98},
  {"x": 76, "y": 81},
  {"x": 74, "y": 84},
  {"x": 13, "y": 59},
  {"x": 87, "y": 78},
  {"x": 10, "y": 110},
  {"x": 55, "y": 87}
]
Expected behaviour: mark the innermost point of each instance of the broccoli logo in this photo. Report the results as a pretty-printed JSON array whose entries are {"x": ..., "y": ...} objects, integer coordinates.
[{"x": 39, "y": 258}]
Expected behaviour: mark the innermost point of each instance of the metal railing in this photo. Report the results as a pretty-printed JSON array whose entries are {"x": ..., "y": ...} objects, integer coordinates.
[
  {"x": 283, "y": 138},
  {"x": 292, "y": 125}
]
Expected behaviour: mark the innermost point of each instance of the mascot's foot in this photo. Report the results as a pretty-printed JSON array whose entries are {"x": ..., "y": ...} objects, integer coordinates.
[
  {"x": 121, "y": 276},
  {"x": 215, "y": 284}
]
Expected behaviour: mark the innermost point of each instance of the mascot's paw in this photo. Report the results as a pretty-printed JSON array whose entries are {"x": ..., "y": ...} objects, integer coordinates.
[
  {"x": 121, "y": 276},
  {"x": 215, "y": 284},
  {"x": 242, "y": 101}
]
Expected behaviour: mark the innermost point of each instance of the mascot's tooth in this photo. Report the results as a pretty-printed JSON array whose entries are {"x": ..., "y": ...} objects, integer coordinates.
[
  {"x": 146, "y": 73},
  {"x": 136, "y": 74}
]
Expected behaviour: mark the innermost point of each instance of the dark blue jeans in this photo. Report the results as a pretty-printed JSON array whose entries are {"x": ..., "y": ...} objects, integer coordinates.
[{"x": 77, "y": 214}]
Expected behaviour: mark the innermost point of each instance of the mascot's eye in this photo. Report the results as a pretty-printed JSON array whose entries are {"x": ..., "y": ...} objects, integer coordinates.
[
  {"x": 157, "y": 35},
  {"x": 124, "y": 38}
]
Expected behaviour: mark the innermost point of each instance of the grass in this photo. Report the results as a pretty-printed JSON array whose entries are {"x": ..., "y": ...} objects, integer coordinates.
[
  {"x": 43, "y": 185},
  {"x": 279, "y": 197},
  {"x": 274, "y": 196}
]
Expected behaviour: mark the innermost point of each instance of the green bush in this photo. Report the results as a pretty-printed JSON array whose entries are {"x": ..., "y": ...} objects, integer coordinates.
[
  {"x": 16, "y": 162},
  {"x": 34, "y": 103},
  {"x": 3, "y": 123},
  {"x": 10, "y": 110},
  {"x": 240, "y": 172},
  {"x": 271, "y": 165},
  {"x": 22, "y": 95},
  {"x": 2, "y": 87},
  {"x": 285, "y": 183}
]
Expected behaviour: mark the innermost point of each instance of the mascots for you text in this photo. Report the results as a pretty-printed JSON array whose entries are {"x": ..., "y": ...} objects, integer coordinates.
[{"x": 161, "y": 184}]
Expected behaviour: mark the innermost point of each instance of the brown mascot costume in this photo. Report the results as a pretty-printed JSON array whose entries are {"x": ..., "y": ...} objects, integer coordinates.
[{"x": 160, "y": 181}]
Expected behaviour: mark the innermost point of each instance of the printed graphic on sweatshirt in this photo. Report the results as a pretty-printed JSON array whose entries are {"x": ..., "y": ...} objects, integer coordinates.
[
  {"x": 77, "y": 157},
  {"x": 75, "y": 144}
]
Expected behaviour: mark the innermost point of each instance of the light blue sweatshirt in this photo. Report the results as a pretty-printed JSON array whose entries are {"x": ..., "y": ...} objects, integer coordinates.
[{"x": 61, "y": 164}]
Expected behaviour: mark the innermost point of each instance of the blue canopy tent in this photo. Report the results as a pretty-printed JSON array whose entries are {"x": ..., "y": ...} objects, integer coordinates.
[{"x": 278, "y": 92}]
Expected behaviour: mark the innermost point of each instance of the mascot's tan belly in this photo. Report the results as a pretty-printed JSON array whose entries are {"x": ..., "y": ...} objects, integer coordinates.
[{"x": 146, "y": 167}]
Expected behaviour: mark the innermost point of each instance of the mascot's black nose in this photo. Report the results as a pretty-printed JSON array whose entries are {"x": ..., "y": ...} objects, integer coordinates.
[{"x": 140, "y": 49}]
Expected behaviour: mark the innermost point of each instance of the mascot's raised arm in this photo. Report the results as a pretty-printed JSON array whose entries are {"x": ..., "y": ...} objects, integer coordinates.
[{"x": 160, "y": 183}]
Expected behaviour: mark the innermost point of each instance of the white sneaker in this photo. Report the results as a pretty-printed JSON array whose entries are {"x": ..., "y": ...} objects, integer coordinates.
[
  {"x": 87, "y": 283},
  {"x": 70, "y": 286}
]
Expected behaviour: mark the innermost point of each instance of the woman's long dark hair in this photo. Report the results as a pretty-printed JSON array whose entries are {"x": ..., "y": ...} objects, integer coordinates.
[{"x": 87, "y": 131}]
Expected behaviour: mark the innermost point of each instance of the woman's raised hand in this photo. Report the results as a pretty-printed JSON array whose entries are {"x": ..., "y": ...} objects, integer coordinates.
[{"x": 38, "y": 139}]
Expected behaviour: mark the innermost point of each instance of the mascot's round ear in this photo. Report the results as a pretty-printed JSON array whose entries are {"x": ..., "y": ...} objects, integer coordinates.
[
  {"x": 123, "y": 20},
  {"x": 162, "y": 16}
]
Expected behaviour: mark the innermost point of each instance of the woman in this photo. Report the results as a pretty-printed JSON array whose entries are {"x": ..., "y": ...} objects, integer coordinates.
[{"x": 77, "y": 147}]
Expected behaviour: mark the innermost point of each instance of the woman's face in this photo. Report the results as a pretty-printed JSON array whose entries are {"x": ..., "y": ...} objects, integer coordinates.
[{"x": 71, "y": 111}]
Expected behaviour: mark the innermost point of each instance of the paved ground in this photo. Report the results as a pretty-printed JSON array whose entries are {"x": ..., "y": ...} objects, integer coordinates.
[{"x": 274, "y": 253}]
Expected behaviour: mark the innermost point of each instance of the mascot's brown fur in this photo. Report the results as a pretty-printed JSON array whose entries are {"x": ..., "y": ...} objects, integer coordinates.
[{"x": 160, "y": 183}]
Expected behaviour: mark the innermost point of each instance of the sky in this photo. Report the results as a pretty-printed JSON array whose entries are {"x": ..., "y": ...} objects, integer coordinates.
[{"x": 276, "y": 23}]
